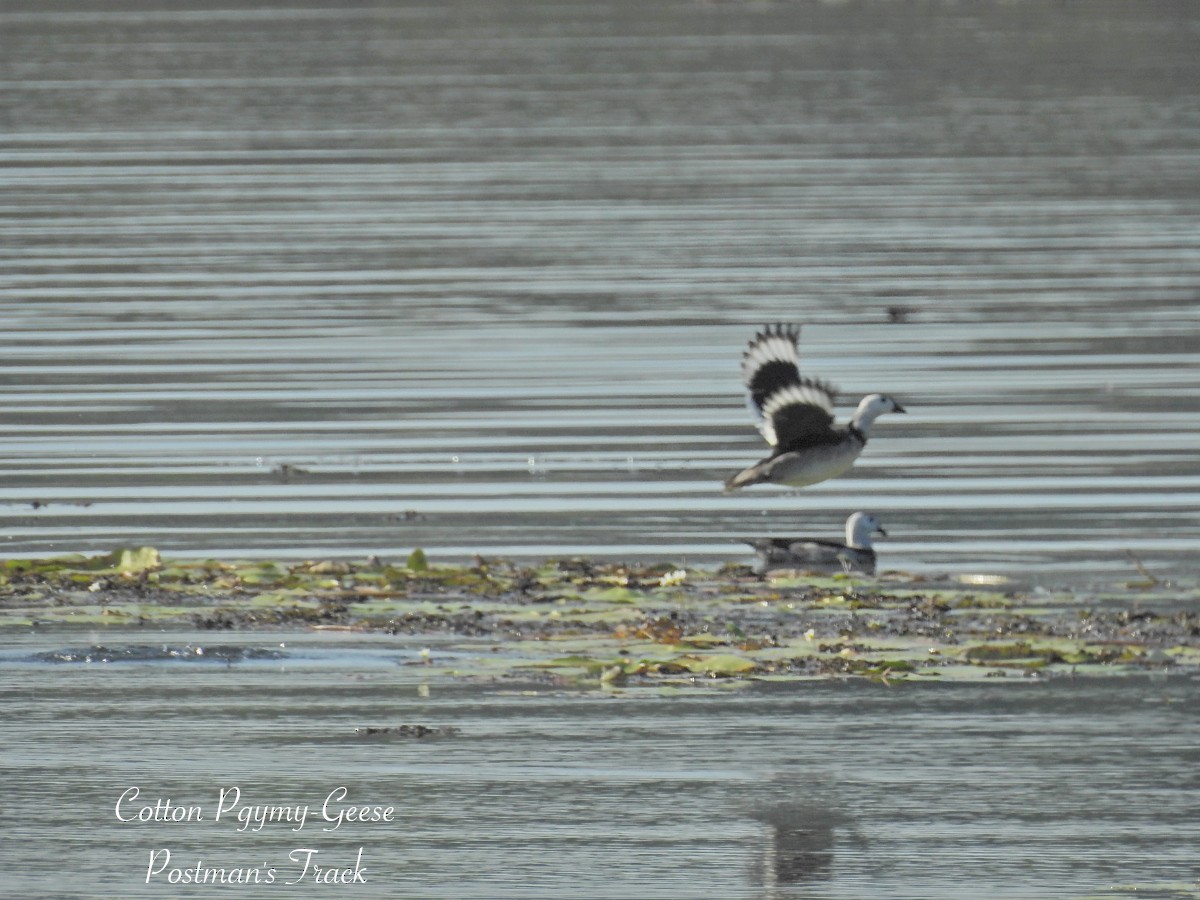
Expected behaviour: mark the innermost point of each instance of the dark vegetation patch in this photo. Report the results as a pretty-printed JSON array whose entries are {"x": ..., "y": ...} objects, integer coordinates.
[{"x": 613, "y": 625}]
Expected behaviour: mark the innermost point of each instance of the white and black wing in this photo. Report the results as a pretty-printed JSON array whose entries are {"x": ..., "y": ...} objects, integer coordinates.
[
  {"x": 771, "y": 361},
  {"x": 792, "y": 411}
]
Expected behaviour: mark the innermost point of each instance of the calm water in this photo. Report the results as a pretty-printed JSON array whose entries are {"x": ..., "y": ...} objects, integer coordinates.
[
  {"x": 812, "y": 790},
  {"x": 301, "y": 280},
  {"x": 484, "y": 270}
]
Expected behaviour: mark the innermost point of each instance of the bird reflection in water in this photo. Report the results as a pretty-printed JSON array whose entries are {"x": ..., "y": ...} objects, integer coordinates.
[{"x": 799, "y": 842}]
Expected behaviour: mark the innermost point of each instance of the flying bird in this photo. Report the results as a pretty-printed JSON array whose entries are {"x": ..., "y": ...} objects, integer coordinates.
[
  {"x": 856, "y": 555},
  {"x": 796, "y": 416}
]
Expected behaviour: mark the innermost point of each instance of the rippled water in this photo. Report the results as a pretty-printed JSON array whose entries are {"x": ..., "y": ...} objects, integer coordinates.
[
  {"x": 829, "y": 790},
  {"x": 301, "y": 280},
  {"x": 483, "y": 272}
]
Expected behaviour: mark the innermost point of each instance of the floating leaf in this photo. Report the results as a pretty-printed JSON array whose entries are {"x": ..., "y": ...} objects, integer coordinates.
[
  {"x": 717, "y": 664},
  {"x": 994, "y": 652},
  {"x": 262, "y": 573},
  {"x": 703, "y": 639},
  {"x": 613, "y": 595},
  {"x": 286, "y": 596},
  {"x": 574, "y": 661}
]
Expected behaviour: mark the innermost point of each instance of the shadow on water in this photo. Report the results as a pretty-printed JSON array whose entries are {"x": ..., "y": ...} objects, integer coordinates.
[{"x": 799, "y": 844}]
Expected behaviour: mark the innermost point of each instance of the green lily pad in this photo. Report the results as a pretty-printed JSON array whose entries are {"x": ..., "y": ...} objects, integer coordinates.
[
  {"x": 999, "y": 652},
  {"x": 613, "y": 595},
  {"x": 716, "y": 664}
]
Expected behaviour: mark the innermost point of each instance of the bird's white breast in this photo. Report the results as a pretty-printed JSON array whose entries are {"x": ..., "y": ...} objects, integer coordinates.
[{"x": 816, "y": 464}]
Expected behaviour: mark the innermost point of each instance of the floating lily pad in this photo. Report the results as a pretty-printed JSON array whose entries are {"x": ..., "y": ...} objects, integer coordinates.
[{"x": 716, "y": 664}]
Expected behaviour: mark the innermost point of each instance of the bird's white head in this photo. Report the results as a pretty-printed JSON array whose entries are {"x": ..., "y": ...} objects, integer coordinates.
[
  {"x": 859, "y": 529},
  {"x": 870, "y": 408}
]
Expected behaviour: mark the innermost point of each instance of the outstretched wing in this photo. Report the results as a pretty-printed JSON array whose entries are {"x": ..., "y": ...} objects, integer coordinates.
[
  {"x": 791, "y": 410},
  {"x": 799, "y": 415},
  {"x": 771, "y": 361}
]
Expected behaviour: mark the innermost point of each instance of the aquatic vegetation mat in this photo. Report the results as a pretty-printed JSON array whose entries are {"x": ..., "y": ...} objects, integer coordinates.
[{"x": 612, "y": 626}]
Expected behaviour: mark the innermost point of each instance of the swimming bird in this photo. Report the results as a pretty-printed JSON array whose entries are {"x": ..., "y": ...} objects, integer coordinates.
[
  {"x": 796, "y": 416},
  {"x": 856, "y": 555}
]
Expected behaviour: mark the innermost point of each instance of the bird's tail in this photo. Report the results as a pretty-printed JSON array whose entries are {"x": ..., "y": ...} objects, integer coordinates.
[{"x": 752, "y": 475}]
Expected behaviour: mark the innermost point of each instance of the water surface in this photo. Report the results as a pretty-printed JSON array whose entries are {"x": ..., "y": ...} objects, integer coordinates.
[
  {"x": 483, "y": 273},
  {"x": 813, "y": 789},
  {"x": 301, "y": 280}
]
